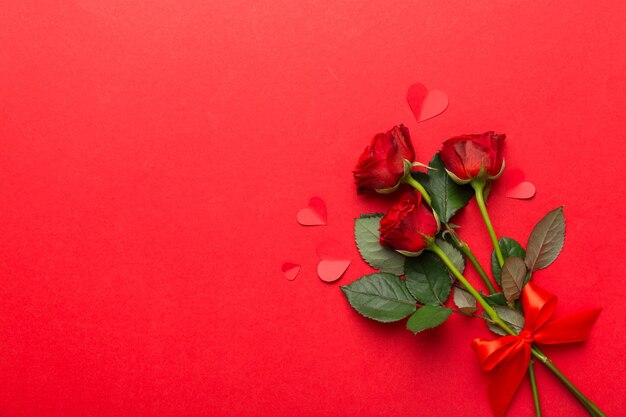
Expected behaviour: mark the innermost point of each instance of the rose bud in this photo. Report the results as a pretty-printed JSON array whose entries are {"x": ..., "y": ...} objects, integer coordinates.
[
  {"x": 470, "y": 157},
  {"x": 385, "y": 162},
  {"x": 408, "y": 225}
]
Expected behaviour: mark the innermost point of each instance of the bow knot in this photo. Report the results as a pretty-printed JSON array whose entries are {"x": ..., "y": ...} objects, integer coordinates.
[
  {"x": 507, "y": 358},
  {"x": 526, "y": 336}
]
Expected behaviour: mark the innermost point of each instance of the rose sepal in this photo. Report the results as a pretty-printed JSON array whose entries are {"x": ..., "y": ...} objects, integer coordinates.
[
  {"x": 457, "y": 179},
  {"x": 407, "y": 172}
]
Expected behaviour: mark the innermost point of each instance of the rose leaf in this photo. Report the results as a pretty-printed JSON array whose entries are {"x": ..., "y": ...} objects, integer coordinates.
[
  {"x": 428, "y": 317},
  {"x": 546, "y": 240},
  {"x": 427, "y": 279},
  {"x": 367, "y": 237},
  {"x": 381, "y": 296}
]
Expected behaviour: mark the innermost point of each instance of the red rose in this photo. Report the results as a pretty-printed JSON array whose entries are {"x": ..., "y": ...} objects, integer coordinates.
[
  {"x": 385, "y": 162},
  {"x": 473, "y": 156},
  {"x": 406, "y": 224}
]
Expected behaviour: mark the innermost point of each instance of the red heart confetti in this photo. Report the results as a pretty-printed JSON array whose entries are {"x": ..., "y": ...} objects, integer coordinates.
[
  {"x": 314, "y": 214},
  {"x": 291, "y": 270},
  {"x": 523, "y": 191},
  {"x": 330, "y": 270},
  {"x": 334, "y": 260},
  {"x": 426, "y": 104},
  {"x": 517, "y": 188}
]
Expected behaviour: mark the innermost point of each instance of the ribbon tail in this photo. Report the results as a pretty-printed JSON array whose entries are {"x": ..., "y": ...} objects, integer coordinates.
[
  {"x": 505, "y": 378},
  {"x": 491, "y": 352},
  {"x": 573, "y": 328}
]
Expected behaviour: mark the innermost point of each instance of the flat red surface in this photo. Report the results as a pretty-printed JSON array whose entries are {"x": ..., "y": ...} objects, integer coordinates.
[{"x": 154, "y": 154}]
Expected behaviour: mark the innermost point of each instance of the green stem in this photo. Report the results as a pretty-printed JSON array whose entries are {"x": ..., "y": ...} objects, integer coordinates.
[
  {"x": 463, "y": 247},
  {"x": 419, "y": 187},
  {"x": 593, "y": 409},
  {"x": 479, "y": 187},
  {"x": 488, "y": 309},
  {"x": 533, "y": 386}
]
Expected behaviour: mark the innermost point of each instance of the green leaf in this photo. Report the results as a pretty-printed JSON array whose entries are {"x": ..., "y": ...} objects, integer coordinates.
[
  {"x": 513, "y": 318},
  {"x": 546, "y": 240},
  {"x": 455, "y": 255},
  {"x": 464, "y": 301},
  {"x": 509, "y": 247},
  {"x": 495, "y": 299},
  {"x": 382, "y": 297},
  {"x": 427, "y": 279},
  {"x": 428, "y": 317},
  {"x": 513, "y": 277},
  {"x": 447, "y": 196},
  {"x": 367, "y": 238}
]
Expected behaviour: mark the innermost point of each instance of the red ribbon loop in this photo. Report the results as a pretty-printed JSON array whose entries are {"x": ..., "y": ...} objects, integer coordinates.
[{"x": 507, "y": 357}]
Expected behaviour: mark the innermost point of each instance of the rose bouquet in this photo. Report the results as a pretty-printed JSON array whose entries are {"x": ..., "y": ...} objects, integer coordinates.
[{"x": 421, "y": 259}]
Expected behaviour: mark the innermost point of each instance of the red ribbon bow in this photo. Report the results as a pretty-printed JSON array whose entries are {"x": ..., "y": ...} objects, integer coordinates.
[{"x": 507, "y": 357}]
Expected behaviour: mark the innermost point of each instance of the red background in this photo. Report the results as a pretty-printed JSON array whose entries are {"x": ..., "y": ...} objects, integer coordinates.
[{"x": 154, "y": 154}]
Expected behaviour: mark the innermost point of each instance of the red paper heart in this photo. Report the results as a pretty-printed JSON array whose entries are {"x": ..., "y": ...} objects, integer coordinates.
[
  {"x": 516, "y": 186},
  {"x": 330, "y": 270},
  {"x": 426, "y": 104},
  {"x": 334, "y": 260},
  {"x": 314, "y": 214},
  {"x": 291, "y": 270},
  {"x": 522, "y": 191}
]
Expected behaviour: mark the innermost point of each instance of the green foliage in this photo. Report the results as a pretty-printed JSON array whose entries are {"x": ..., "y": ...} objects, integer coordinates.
[
  {"x": 427, "y": 279},
  {"x": 455, "y": 256},
  {"x": 465, "y": 302},
  {"x": 513, "y": 278},
  {"x": 509, "y": 247},
  {"x": 495, "y": 299},
  {"x": 428, "y": 317},
  {"x": 367, "y": 237},
  {"x": 546, "y": 240},
  {"x": 381, "y": 296},
  {"x": 513, "y": 318},
  {"x": 447, "y": 196}
]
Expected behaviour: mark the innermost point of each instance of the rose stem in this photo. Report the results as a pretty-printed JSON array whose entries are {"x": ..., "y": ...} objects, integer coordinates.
[
  {"x": 479, "y": 186},
  {"x": 586, "y": 402},
  {"x": 533, "y": 386},
  {"x": 491, "y": 312},
  {"x": 463, "y": 247},
  {"x": 589, "y": 405},
  {"x": 467, "y": 251},
  {"x": 419, "y": 187},
  {"x": 488, "y": 309}
]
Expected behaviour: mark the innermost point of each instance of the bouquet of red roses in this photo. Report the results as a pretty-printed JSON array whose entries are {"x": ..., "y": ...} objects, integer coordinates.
[{"x": 421, "y": 260}]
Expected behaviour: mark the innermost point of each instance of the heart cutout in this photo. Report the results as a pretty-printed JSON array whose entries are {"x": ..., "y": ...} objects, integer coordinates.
[
  {"x": 314, "y": 214},
  {"x": 517, "y": 187},
  {"x": 523, "y": 191},
  {"x": 334, "y": 260},
  {"x": 426, "y": 104},
  {"x": 330, "y": 270},
  {"x": 291, "y": 270}
]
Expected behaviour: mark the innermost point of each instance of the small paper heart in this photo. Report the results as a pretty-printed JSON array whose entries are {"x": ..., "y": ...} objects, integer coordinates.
[
  {"x": 291, "y": 270},
  {"x": 314, "y": 214},
  {"x": 426, "y": 104},
  {"x": 523, "y": 191},
  {"x": 330, "y": 270}
]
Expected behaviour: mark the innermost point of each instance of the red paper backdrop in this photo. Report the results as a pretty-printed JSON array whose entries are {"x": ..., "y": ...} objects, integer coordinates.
[{"x": 154, "y": 154}]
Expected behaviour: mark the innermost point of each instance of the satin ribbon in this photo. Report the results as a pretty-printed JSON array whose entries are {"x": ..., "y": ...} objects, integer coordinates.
[{"x": 507, "y": 357}]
